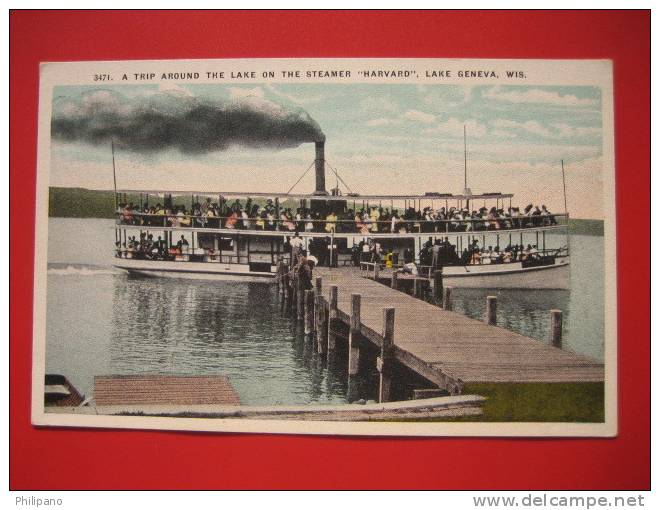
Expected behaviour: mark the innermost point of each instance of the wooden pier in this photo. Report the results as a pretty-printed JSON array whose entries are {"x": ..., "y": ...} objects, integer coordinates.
[{"x": 446, "y": 348}]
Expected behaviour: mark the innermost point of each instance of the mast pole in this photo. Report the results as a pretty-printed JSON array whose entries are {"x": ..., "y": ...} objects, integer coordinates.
[
  {"x": 114, "y": 172},
  {"x": 563, "y": 179},
  {"x": 464, "y": 157}
]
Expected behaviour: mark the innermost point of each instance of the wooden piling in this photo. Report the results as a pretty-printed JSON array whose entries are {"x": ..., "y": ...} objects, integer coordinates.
[
  {"x": 376, "y": 269},
  {"x": 293, "y": 289},
  {"x": 446, "y": 298},
  {"x": 300, "y": 298},
  {"x": 437, "y": 286},
  {"x": 555, "y": 328},
  {"x": 353, "y": 341},
  {"x": 332, "y": 315},
  {"x": 395, "y": 280},
  {"x": 309, "y": 311},
  {"x": 491, "y": 310},
  {"x": 282, "y": 271},
  {"x": 384, "y": 362},
  {"x": 318, "y": 294},
  {"x": 319, "y": 315},
  {"x": 287, "y": 288}
]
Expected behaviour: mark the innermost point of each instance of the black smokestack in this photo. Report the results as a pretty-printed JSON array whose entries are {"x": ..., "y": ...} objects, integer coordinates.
[
  {"x": 174, "y": 120},
  {"x": 320, "y": 168}
]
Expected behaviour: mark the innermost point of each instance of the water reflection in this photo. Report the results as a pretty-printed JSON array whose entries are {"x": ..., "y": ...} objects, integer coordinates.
[
  {"x": 524, "y": 311},
  {"x": 236, "y": 329}
]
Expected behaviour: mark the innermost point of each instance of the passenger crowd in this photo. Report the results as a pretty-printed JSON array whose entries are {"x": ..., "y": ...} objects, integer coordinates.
[
  {"x": 368, "y": 220},
  {"x": 146, "y": 247}
]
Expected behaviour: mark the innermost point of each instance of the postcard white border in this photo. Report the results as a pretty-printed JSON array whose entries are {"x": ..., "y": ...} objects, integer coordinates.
[{"x": 538, "y": 72}]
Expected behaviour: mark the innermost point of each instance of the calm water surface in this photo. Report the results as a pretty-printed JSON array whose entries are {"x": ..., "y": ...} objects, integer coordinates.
[{"x": 101, "y": 321}]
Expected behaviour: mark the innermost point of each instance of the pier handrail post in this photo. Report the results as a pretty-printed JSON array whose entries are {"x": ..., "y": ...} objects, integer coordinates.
[
  {"x": 446, "y": 299},
  {"x": 354, "y": 332},
  {"x": 556, "y": 328},
  {"x": 332, "y": 315},
  {"x": 437, "y": 286},
  {"x": 395, "y": 280},
  {"x": 309, "y": 312},
  {"x": 491, "y": 310},
  {"x": 376, "y": 269},
  {"x": 384, "y": 362}
]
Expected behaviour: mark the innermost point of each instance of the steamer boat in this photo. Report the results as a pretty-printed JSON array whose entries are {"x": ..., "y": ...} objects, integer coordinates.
[{"x": 477, "y": 240}]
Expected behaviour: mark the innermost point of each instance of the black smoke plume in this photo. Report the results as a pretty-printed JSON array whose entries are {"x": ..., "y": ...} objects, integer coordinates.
[{"x": 174, "y": 120}]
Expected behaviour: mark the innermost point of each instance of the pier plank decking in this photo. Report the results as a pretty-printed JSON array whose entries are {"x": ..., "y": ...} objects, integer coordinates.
[
  {"x": 450, "y": 349},
  {"x": 118, "y": 390}
]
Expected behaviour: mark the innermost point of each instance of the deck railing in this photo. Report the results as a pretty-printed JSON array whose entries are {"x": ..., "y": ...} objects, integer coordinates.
[{"x": 328, "y": 226}]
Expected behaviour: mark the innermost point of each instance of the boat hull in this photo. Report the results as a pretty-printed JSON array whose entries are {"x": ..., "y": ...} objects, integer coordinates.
[
  {"x": 509, "y": 276},
  {"x": 194, "y": 270}
]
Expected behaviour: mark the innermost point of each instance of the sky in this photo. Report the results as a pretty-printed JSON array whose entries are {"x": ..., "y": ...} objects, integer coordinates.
[{"x": 385, "y": 138}]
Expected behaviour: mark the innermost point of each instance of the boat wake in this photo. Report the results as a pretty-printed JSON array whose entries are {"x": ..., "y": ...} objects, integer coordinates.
[{"x": 82, "y": 270}]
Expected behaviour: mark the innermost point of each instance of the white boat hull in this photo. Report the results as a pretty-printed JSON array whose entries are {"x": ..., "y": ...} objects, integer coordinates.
[
  {"x": 194, "y": 270},
  {"x": 509, "y": 276}
]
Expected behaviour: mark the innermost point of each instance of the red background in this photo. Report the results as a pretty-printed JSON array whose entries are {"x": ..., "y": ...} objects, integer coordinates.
[{"x": 82, "y": 459}]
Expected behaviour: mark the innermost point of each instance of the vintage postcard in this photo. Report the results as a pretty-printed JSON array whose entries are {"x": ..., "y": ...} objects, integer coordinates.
[{"x": 331, "y": 246}]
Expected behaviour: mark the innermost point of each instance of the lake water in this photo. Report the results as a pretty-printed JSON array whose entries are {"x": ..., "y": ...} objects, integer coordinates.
[{"x": 101, "y": 321}]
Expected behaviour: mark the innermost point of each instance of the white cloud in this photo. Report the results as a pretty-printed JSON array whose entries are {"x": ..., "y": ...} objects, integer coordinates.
[
  {"x": 566, "y": 131},
  {"x": 173, "y": 88},
  {"x": 291, "y": 97},
  {"x": 536, "y": 96},
  {"x": 380, "y": 122},
  {"x": 454, "y": 128},
  {"x": 417, "y": 116},
  {"x": 531, "y": 126},
  {"x": 378, "y": 104},
  {"x": 241, "y": 93}
]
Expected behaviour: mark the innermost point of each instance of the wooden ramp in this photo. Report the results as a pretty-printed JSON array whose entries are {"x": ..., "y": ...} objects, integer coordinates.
[
  {"x": 450, "y": 349},
  {"x": 135, "y": 390}
]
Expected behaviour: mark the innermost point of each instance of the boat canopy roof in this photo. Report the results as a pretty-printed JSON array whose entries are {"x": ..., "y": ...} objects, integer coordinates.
[{"x": 349, "y": 196}]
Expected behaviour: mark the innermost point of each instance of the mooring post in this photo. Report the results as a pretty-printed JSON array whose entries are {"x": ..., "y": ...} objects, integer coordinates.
[
  {"x": 309, "y": 312},
  {"x": 321, "y": 339},
  {"x": 446, "y": 298},
  {"x": 437, "y": 286},
  {"x": 555, "y": 328},
  {"x": 287, "y": 288},
  {"x": 384, "y": 362},
  {"x": 491, "y": 310},
  {"x": 354, "y": 332},
  {"x": 376, "y": 268},
  {"x": 395, "y": 280},
  {"x": 282, "y": 269},
  {"x": 318, "y": 288},
  {"x": 332, "y": 315},
  {"x": 300, "y": 296},
  {"x": 292, "y": 289}
]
